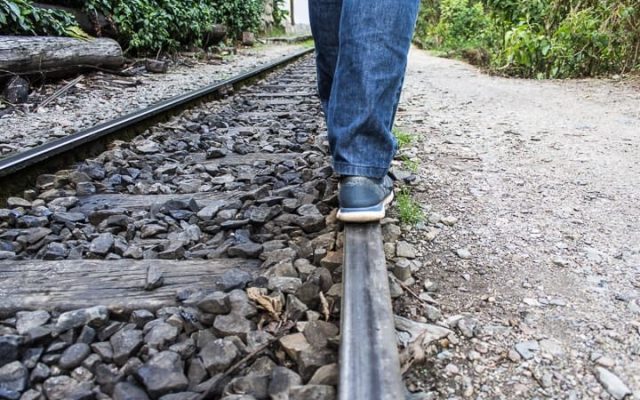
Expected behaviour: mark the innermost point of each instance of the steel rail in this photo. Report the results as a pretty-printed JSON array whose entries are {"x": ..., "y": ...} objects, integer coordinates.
[
  {"x": 11, "y": 165},
  {"x": 369, "y": 361}
]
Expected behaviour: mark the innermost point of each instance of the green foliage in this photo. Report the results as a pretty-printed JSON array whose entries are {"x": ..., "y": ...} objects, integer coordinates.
[
  {"x": 20, "y": 17},
  {"x": 459, "y": 23},
  {"x": 238, "y": 15},
  {"x": 409, "y": 210},
  {"x": 308, "y": 44},
  {"x": 141, "y": 25},
  {"x": 404, "y": 139},
  {"x": 279, "y": 13},
  {"x": 411, "y": 165},
  {"x": 153, "y": 25},
  {"x": 536, "y": 38}
]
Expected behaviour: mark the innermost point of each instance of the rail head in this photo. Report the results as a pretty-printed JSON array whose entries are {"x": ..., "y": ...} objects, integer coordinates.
[{"x": 369, "y": 361}]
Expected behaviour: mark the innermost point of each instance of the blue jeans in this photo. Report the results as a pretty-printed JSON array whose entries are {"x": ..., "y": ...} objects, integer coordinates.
[{"x": 361, "y": 57}]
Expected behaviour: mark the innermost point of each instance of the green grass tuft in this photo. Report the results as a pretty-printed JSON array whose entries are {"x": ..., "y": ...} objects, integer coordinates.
[
  {"x": 307, "y": 44},
  {"x": 409, "y": 164},
  {"x": 409, "y": 210},
  {"x": 404, "y": 139}
]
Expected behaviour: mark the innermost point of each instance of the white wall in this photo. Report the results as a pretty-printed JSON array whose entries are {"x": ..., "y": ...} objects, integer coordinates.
[
  {"x": 300, "y": 16},
  {"x": 301, "y": 12}
]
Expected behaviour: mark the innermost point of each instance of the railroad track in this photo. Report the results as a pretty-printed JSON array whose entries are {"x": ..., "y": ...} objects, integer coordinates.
[{"x": 199, "y": 259}]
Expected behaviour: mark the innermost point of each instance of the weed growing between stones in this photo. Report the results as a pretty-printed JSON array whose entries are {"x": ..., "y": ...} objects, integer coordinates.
[{"x": 408, "y": 208}]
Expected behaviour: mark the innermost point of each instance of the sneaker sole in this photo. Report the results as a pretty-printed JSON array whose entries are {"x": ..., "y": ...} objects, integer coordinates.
[{"x": 361, "y": 215}]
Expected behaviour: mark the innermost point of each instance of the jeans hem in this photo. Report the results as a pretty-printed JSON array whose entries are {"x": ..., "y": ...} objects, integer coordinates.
[{"x": 359, "y": 170}]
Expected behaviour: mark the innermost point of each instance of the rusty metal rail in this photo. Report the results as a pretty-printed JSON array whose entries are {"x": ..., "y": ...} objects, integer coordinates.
[{"x": 369, "y": 362}]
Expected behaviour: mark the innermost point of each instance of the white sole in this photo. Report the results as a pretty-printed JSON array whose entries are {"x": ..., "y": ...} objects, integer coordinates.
[{"x": 366, "y": 216}]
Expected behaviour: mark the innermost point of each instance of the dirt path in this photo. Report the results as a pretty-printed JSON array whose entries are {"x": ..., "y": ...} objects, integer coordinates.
[{"x": 544, "y": 180}]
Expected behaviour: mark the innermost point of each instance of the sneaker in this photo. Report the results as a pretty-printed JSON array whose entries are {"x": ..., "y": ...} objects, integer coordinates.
[{"x": 363, "y": 199}]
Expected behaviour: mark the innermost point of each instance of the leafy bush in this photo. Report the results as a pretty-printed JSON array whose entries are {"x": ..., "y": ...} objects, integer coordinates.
[
  {"x": 152, "y": 25},
  {"x": 279, "y": 13},
  {"x": 537, "y": 38},
  {"x": 141, "y": 25},
  {"x": 238, "y": 15},
  {"x": 20, "y": 17},
  {"x": 459, "y": 23}
]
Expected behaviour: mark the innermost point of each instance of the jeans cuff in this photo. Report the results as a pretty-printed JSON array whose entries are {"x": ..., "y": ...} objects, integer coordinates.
[{"x": 359, "y": 170}]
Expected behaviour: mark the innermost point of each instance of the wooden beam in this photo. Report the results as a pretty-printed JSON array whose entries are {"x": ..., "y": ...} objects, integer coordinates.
[{"x": 117, "y": 284}]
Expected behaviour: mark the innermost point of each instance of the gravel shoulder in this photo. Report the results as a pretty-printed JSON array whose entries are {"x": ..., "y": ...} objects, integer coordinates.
[
  {"x": 540, "y": 181},
  {"x": 100, "y": 97}
]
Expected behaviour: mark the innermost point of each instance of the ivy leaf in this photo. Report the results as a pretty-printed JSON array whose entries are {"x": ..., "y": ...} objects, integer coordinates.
[{"x": 13, "y": 7}]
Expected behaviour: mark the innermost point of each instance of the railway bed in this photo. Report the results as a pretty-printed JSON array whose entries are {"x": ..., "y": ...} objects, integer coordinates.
[{"x": 200, "y": 259}]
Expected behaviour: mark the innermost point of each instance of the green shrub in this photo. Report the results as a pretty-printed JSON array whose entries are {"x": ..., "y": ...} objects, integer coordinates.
[
  {"x": 536, "y": 38},
  {"x": 153, "y": 25},
  {"x": 238, "y": 15},
  {"x": 20, "y": 17},
  {"x": 279, "y": 13},
  {"x": 459, "y": 23},
  {"x": 580, "y": 47},
  {"x": 142, "y": 25}
]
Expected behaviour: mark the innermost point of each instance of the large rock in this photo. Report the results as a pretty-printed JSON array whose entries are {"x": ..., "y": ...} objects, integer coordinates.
[
  {"x": 107, "y": 376},
  {"x": 26, "y": 320},
  {"x": 160, "y": 334},
  {"x": 233, "y": 325},
  {"x": 251, "y": 385},
  {"x": 40, "y": 373},
  {"x": 245, "y": 250},
  {"x": 318, "y": 333},
  {"x": 129, "y": 391},
  {"x": 282, "y": 379},
  {"x": 102, "y": 244},
  {"x": 17, "y": 90},
  {"x": 65, "y": 388},
  {"x": 614, "y": 385},
  {"x": 233, "y": 279},
  {"x": 74, "y": 355},
  {"x": 294, "y": 344},
  {"x": 14, "y": 377},
  {"x": 215, "y": 303},
  {"x": 163, "y": 374},
  {"x": 284, "y": 284},
  {"x": 311, "y": 359},
  {"x": 218, "y": 355},
  {"x": 125, "y": 343},
  {"x": 9, "y": 346},
  {"x": 312, "y": 392},
  {"x": 326, "y": 375},
  {"x": 94, "y": 316}
]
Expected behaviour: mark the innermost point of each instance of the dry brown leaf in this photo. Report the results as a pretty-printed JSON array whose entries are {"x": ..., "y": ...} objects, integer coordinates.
[
  {"x": 271, "y": 305},
  {"x": 324, "y": 306},
  {"x": 413, "y": 353}
]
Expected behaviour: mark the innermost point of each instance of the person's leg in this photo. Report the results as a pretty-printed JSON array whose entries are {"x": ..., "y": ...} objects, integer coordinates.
[
  {"x": 374, "y": 39},
  {"x": 324, "y": 16}
]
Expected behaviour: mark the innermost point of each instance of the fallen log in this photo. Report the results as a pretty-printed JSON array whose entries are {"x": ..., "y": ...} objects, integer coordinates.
[{"x": 56, "y": 56}]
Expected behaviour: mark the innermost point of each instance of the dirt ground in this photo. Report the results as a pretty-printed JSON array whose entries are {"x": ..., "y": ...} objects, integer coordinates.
[{"x": 543, "y": 263}]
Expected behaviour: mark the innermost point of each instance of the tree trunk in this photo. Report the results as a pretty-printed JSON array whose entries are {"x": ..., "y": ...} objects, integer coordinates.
[{"x": 28, "y": 55}]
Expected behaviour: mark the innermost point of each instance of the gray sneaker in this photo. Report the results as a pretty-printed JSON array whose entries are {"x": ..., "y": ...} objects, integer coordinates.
[{"x": 363, "y": 199}]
